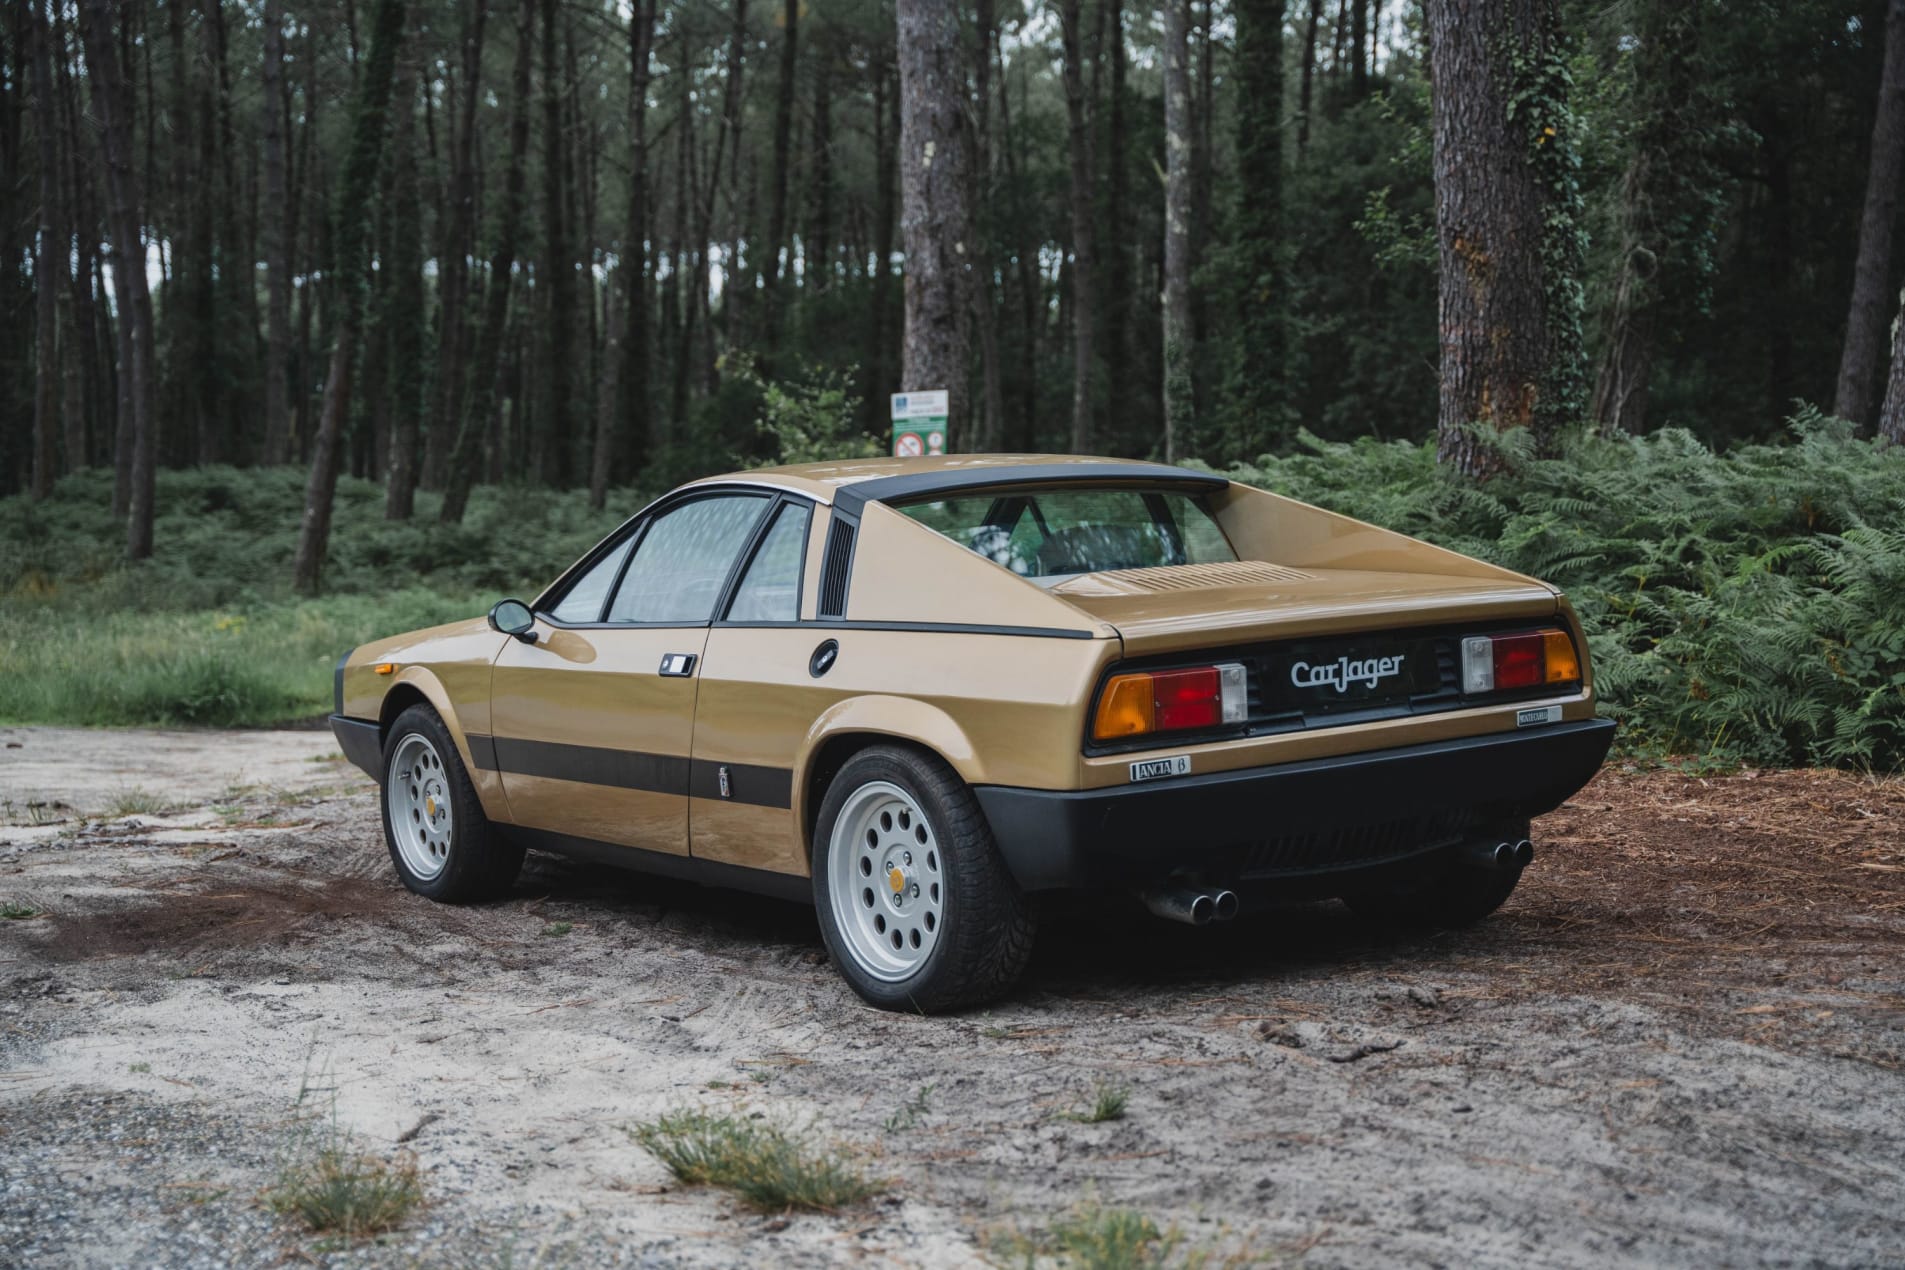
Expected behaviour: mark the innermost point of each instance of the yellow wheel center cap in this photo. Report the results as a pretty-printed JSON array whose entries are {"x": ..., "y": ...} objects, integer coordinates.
[
  {"x": 430, "y": 807},
  {"x": 897, "y": 880}
]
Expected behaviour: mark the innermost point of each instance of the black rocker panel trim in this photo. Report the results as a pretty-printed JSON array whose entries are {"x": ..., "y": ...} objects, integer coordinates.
[
  {"x": 748, "y": 784},
  {"x": 783, "y": 886}
]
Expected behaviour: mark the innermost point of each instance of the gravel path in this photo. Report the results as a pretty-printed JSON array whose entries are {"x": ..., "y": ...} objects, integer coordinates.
[{"x": 1682, "y": 1043}]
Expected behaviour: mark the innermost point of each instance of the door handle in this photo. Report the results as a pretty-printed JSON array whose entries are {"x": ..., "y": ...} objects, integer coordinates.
[{"x": 678, "y": 665}]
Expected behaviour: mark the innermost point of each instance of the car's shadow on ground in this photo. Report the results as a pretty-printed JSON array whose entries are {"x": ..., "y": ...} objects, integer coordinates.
[{"x": 1090, "y": 946}]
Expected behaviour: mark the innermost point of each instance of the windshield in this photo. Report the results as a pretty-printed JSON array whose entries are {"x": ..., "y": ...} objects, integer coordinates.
[{"x": 1055, "y": 533}]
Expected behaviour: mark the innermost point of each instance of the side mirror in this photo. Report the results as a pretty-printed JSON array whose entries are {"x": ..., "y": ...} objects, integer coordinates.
[{"x": 512, "y": 617}]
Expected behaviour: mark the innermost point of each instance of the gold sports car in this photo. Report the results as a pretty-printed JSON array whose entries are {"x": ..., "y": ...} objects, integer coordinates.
[{"x": 918, "y": 692}]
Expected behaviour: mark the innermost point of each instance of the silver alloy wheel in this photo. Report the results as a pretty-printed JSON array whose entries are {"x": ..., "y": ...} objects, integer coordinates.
[
  {"x": 886, "y": 880},
  {"x": 417, "y": 794}
]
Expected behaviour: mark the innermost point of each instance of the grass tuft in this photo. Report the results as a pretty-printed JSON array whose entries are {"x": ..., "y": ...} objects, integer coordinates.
[
  {"x": 338, "y": 1190},
  {"x": 139, "y": 802},
  {"x": 1108, "y": 1102},
  {"x": 767, "y": 1167},
  {"x": 1093, "y": 1237},
  {"x": 15, "y": 912},
  {"x": 556, "y": 930}
]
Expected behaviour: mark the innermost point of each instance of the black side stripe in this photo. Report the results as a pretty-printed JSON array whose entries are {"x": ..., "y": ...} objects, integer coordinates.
[{"x": 631, "y": 769}]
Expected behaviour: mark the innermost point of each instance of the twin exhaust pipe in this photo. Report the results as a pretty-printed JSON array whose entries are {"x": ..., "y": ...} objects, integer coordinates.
[
  {"x": 1503, "y": 855},
  {"x": 1192, "y": 905},
  {"x": 1200, "y": 906}
]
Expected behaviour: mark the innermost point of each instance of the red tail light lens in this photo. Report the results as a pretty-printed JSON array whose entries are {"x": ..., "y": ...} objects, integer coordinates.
[
  {"x": 1519, "y": 662},
  {"x": 1525, "y": 659},
  {"x": 1187, "y": 699},
  {"x": 1171, "y": 701}
]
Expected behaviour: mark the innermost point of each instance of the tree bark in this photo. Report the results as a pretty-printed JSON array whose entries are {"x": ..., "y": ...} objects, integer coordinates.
[
  {"x": 1258, "y": 390},
  {"x": 1504, "y": 290},
  {"x": 632, "y": 389},
  {"x": 1179, "y": 400},
  {"x": 112, "y": 100},
  {"x": 356, "y": 186},
  {"x": 783, "y": 146},
  {"x": 277, "y": 255},
  {"x": 49, "y": 267},
  {"x": 1084, "y": 249},
  {"x": 1891, "y": 423},
  {"x": 1118, "y": 280},
  {"x": 1307, "y": 93},
  {"x": 453, "y": 269},
  {"x": 1359, "y": 49},
  {"x": 935, "y": 217},
  {"x": 404, "y": 317},
  {"x": 487, "y": 365},
  {"x": 555, "y": 428},
  {"x": 988, "y": 435},
  {"x": 1871, "y": 276}
]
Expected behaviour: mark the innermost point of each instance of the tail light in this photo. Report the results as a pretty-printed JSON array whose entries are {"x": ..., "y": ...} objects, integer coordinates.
[
  {"x": 1171, "y": 701},
  {"x": 1525, "y": 659}
]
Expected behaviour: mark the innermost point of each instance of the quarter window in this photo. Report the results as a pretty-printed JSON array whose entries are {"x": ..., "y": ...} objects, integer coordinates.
[
  {"x": 683, "y": 559},
  {"x": 590, "y": 593},
  {"x": 770, "y": 589}
]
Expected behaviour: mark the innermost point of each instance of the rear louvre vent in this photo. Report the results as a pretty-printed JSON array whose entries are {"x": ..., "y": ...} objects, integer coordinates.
[
  {"x": 1192, "y": 577},
  {"x": 834, "y": 569}
]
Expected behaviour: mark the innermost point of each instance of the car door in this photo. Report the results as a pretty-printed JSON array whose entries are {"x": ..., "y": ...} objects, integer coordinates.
[
  {"x": 759, "y": 695},
  {"x": 593, "y": 721}
]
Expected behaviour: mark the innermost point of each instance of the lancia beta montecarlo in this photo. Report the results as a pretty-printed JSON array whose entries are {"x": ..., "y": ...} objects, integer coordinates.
[{"x": 918, "y": 692}]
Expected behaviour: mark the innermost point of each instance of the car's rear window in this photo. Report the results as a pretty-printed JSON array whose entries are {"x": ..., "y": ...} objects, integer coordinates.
[{"x": 1049, "y": 534}]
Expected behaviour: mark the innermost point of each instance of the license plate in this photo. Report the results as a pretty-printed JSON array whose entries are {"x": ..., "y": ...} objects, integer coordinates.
[
  {"x": 1347, "y": 674},
  {"x": 1151, "y": 769},
  {"x": 1538, "y": 715}
]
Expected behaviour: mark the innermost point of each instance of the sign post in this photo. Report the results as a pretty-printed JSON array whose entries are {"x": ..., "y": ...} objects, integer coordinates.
[{"x": 919, "y": 423}]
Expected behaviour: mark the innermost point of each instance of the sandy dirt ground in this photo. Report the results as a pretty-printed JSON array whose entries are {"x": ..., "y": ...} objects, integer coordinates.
[{"x": 1681, "y": 1043}]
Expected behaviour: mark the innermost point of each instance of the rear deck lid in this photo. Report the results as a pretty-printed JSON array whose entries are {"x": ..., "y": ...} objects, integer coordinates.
[{"x": 1177, "y": 608}]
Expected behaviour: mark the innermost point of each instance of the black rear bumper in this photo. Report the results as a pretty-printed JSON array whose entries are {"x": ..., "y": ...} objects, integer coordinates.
[
  {"x": 1320, "y": 816},
  {"x": 362, "y": 742}
]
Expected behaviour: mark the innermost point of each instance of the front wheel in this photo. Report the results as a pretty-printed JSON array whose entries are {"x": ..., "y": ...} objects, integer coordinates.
[
  {"x": 443, "y": 845},
  {"x": 916, "y": 905}
]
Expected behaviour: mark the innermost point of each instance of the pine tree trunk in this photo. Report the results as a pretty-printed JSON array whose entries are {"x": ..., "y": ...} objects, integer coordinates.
[
  {"x": 772, "y": 267},
  {"x": 112, "y": 100},
  {"x": 1359, "y": 49},
  {"x": 49, "y": 266},
  {"x": 935, "y": 219},
  {"x": 486, "y": 366},
  {"x": 1871, "y": 277},
  {"x": 1306, "y": 95},
  {"x": 1118, "y": 278},
  {"x": 277, "y": 258},
  {"x": 1258, "y": 389},
  {"x": 1504, "y": 316},
  {"x": 404, "y": 319},
  {"x": 356, "y": 187},
  {"x": 633, "y": 387},
  {"x": 1083, "y": 211},
  {"x": 1892, "y": 410},
  {"x": 819, "y": 273},
  {"x": 555, "y": 427},
  {"x": 453, "y": 270},
  {"x": 1179, "y": 403},
  {"x": 988, "y": 434}
]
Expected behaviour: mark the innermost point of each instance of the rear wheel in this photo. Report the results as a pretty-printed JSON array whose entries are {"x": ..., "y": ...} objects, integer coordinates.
[
  {"x": 916, "y": 905},
  {"x": 443, "y": 845},
  {"x": 1458, "y": 893}
]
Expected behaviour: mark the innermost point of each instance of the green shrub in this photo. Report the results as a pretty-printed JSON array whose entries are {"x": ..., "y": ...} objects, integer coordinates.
[{"x": 1748, "y": 606}]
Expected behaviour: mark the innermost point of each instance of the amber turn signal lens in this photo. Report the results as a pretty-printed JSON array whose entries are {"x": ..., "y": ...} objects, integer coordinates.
[
  {"x": 386, "y": 667},
  {"x": 1562, "y": 664},
  {"x": 1127, "y": 708}
]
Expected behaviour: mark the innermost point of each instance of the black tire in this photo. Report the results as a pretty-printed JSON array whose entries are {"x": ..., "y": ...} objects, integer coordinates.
[
  {"x": 1456, "y": 895},
  {"x": 481, "y": 864},
  {"x": 986, "y": 933}
]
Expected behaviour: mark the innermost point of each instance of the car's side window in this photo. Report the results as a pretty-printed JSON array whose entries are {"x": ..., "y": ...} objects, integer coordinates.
[
  {"x": 770, "y": 589},
  {"x": 684, "y": 558},
  {"x": 585, "y": 600}
]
